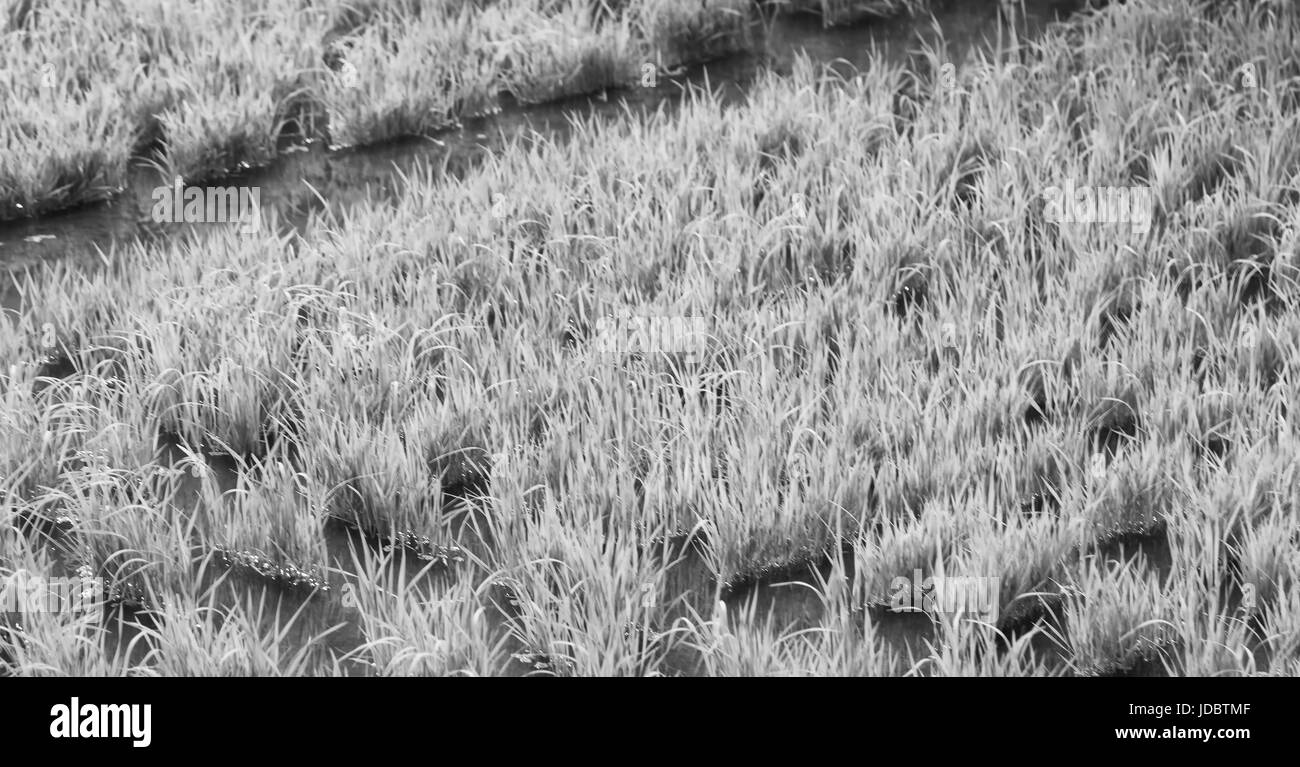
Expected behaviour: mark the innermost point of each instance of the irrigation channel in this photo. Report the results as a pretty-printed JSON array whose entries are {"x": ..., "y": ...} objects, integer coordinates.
[{"x": 316, "y": 176}]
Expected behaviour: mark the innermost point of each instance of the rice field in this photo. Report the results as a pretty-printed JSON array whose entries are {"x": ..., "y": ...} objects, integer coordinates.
[
  {"x": 703, "y": 393},
  {"x": 203, "y": 89}
]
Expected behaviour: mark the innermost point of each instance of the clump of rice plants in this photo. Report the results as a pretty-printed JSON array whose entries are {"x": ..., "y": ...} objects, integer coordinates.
[
  {"x": 835, "y": 12},
  {"x": 412, "y": 624},
  {"x": 271, "y": 526},
  {"x": 63, "y": 139},
  {"x": 682, "y": 33}
]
